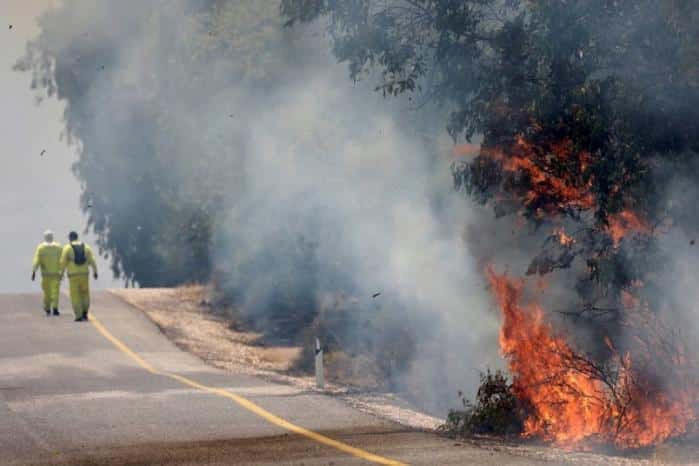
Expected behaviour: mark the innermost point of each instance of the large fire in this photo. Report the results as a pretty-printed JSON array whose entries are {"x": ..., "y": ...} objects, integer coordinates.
[
  {"x": 635, "y": 391},
  {"x": 574, "y": 401}
]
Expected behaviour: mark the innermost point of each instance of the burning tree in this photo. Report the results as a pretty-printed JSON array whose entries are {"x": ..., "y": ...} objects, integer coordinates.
[{"x": 587, "y": 115}]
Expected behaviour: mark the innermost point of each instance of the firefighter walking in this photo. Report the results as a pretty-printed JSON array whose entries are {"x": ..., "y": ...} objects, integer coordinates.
[
  {"x": 76, "y": 260},
  {"x": 47, "y": 258}
]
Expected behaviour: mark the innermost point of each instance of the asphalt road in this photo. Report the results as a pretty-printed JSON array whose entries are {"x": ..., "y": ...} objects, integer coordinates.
[{"x": 119, "y": 392}]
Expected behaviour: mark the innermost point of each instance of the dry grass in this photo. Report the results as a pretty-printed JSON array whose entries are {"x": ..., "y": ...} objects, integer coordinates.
[{"x": 185, "y": 317}]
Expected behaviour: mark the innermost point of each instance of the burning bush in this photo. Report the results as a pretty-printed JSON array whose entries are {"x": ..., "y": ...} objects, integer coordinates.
[
  {"x": 496, "y": 410},
  {"x": 635, "y": 397},
  {"x": 632, "y": 397}
]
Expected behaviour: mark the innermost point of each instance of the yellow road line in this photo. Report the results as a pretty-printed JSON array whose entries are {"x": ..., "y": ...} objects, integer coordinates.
[
  {"x": 121, "y": 346},
  {"x": 245, "y": 403}
]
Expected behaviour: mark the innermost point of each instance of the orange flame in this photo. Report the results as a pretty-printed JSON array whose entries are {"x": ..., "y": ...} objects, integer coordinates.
[
  {"x": 625, "y": 223},
  {"x": 542, "y": 376},
  {"x": 465, "y": 150},
  {"x": 555, "y": 187},
  {"x": 559, "y": 179},
  {"x": 563, "y": 238},
  {"x": 568, "y": 398}
]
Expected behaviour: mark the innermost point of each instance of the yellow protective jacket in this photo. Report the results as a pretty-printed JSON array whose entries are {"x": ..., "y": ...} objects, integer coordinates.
[
  {"x": 68, "y": 261},
  {"x": 48, "y": 258}
]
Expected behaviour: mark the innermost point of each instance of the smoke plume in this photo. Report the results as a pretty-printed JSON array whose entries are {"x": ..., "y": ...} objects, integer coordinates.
[{"x": 215, "y": 142}]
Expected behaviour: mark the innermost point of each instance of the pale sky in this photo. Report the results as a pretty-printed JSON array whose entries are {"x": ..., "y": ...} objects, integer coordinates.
[{"x": 38, "y": 193}]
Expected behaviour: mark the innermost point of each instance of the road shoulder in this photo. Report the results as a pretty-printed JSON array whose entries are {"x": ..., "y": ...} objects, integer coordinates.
[{"x": 185, "y": 317}]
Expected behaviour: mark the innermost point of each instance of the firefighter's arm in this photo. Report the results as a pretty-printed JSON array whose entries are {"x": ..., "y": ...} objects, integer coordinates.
[
  {"x": 64, "y": 261},
  {"x": 37, "y": 260},
  {"x": 91, "y": 260}
]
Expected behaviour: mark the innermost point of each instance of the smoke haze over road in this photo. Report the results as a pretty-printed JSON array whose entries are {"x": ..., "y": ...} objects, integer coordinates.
[
  {"x": 216, "y": 145},
  {"x": 38, "y": 192},
  {"x": 219, "y": 143}
]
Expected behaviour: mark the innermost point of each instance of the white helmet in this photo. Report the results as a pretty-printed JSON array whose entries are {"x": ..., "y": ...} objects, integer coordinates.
[{"x": 48, "y": 236}]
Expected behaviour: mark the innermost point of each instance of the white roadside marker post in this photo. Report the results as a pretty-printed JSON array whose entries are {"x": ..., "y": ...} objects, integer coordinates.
[{"x": 320, "y": 381}]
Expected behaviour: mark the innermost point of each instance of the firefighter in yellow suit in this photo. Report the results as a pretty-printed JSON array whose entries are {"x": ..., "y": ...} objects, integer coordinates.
[
  {"x": 76, "y": 259},
  {"x": 47, "y": 258}
]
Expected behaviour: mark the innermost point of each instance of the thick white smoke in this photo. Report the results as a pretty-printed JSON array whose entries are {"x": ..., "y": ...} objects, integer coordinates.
[
  {"x": 326, "y": 162},
  {"x": 317, "y": 186}
]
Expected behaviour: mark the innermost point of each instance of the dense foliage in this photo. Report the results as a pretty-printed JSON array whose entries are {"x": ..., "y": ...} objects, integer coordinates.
[{"x": 586, "y": 112}]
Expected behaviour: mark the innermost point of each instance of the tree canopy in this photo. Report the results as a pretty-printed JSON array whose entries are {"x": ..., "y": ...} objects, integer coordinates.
[{"x": 586, "y": 112}]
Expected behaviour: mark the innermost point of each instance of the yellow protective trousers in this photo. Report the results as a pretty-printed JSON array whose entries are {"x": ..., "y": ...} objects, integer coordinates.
[
  {"x": 51, "y": 285},
  {"x": 80, "y": 294}
]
